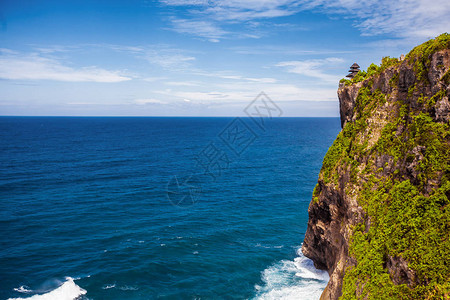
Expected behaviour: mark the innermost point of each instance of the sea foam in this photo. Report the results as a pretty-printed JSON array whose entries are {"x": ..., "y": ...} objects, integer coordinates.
[
  {"x": 23, "y": 289},
  {"x": 69, "y": 290},
  {"x": 297, "y": 279}
]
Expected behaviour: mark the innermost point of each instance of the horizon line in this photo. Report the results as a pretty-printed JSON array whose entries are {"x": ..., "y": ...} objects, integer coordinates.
[{"x": 112, "y": 116}]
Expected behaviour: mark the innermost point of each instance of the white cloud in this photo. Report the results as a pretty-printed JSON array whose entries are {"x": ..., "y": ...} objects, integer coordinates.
[
  {"x": 153, "y": 79},
  {"x": 261, "y": 80},
  {"x": 203, "y": 29},
  {"x": 210, "y": 16},
  {"x": 240, "y": 10},
  {"x": 242, "y": 91},
  {"x": 5, "y": 51},
  {"x": 35, "y": 67},
  {"x": 283, "y": 50},
  {"x": 182, "y": 83},
  {"x": 148, "y": 101},
  {"x": 232, "y": 94},
  {"x": 185, "y": 2},
  {"x": 313, "y": 68},
  {"x": 168, "y": 58},
  {"x": 403, "y": 18},
  {"x": 232, "y": 76},
  {"x": 122, "y": 48},
  {"x": 83, "y": 103},
  {"x": 55, "y": 49},
  {"x": 289, "y": 92},
  {"x": 162, "y": 55}
]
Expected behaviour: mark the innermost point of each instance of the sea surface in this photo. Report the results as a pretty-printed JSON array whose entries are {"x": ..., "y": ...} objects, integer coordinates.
[{"x": 158, "y": 208}]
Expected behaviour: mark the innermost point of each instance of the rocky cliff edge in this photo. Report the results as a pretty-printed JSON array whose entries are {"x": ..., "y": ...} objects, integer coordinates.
[{"x": 379, "y": 220}]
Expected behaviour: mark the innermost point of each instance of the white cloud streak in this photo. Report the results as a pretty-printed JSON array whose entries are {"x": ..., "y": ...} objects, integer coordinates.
[
  {"x": 149, "y": 101},
  {"x": 17, "y": 66},
  {"x": 232, "y": 76},
  {"x": 210, "y": 16},
  {"x": 203, "y": 29},
  {"x": 238, "y": 10},
  {"x": 162, "y": 55},
  {"x": 167, "y": 58},
  {"x": 245, "y": 91},
  {"x": 313, "y": 68},
  {"x": 403, "y": 18},
  {"x": 182, "y": 83}
]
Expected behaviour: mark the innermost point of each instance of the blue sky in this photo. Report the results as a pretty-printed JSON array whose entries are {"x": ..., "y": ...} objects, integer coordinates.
[{"x": 197, "y": 57}]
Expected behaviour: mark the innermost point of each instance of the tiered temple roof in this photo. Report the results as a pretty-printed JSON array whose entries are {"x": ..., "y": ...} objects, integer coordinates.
[{"x": 354, "y": 69}]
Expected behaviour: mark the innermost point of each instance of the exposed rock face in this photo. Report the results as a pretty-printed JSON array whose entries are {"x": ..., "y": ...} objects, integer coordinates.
[
  {"x": 326, "y": 240},
  {"x": 388, "y": 101},
  {"x": 347, "y": 104}
]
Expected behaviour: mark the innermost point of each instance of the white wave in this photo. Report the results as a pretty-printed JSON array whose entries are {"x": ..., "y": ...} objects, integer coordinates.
[
  {"x": 23, "y": 289},
  {"x": 128, "y": 288},
  {"x": 67, "y": 291},
  {"x": 258, "y": 245},
  {"x": 123, "y": 287},
  {"x": 287, "y": 279},
  {"x": 109, "y": 286},
  {"x": 306, "y": 269}
]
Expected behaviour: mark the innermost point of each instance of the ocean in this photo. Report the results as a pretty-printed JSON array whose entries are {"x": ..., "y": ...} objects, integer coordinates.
[{"x": 158, "y": 208}]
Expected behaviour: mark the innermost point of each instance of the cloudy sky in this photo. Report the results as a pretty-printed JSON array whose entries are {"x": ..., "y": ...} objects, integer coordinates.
[{"x": 197, "y": 57}]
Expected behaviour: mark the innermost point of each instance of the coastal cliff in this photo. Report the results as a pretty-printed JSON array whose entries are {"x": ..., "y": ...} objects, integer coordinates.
[{"x": 379, "y": 220}]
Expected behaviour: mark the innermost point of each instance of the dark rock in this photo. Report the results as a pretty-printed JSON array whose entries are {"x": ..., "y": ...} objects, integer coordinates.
[
  {"x": 406, "y": 78},
  {"x": 347, "y": 96},
  {"x": 399, "y": 271}
]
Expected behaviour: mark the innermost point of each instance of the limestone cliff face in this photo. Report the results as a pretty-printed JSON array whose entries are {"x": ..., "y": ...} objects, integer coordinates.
[{"x": 390, "y": 162}]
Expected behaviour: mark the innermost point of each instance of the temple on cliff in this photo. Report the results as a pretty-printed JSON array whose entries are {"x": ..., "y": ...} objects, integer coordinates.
[{"x": 354, "y": 69}]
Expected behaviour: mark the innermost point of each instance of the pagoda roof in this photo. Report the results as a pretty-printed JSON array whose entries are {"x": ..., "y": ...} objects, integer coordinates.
[{"x": 354, "y": 66}]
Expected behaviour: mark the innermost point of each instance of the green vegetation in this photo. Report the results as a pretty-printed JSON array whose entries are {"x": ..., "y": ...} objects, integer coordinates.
[
  {"x": 345, "y": 81},
  {"x": 387, "y": 62},
  {"x": 420, "y": 56},
  {"x": 360, "y": 76},
  {"x": 446, "y": 77},
  {"x": 316, "y": 193},
  {"x": 406, "y": 221},
  {"x": 407, "y": 205},
  {"x": 373, "y": 70},
  {"x": 346, "y": 142}
]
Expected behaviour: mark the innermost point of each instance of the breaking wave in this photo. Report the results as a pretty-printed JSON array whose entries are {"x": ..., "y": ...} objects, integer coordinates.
[
  {"x": 292, "y": 279},
  {"x": 69, "y": 290}
]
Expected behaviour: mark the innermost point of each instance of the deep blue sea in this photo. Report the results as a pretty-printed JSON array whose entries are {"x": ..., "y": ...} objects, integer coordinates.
[{"x": 158, "y": 208}]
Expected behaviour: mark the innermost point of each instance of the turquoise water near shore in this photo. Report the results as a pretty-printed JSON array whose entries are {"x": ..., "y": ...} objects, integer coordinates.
[{"x": 158, "y": 208}]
